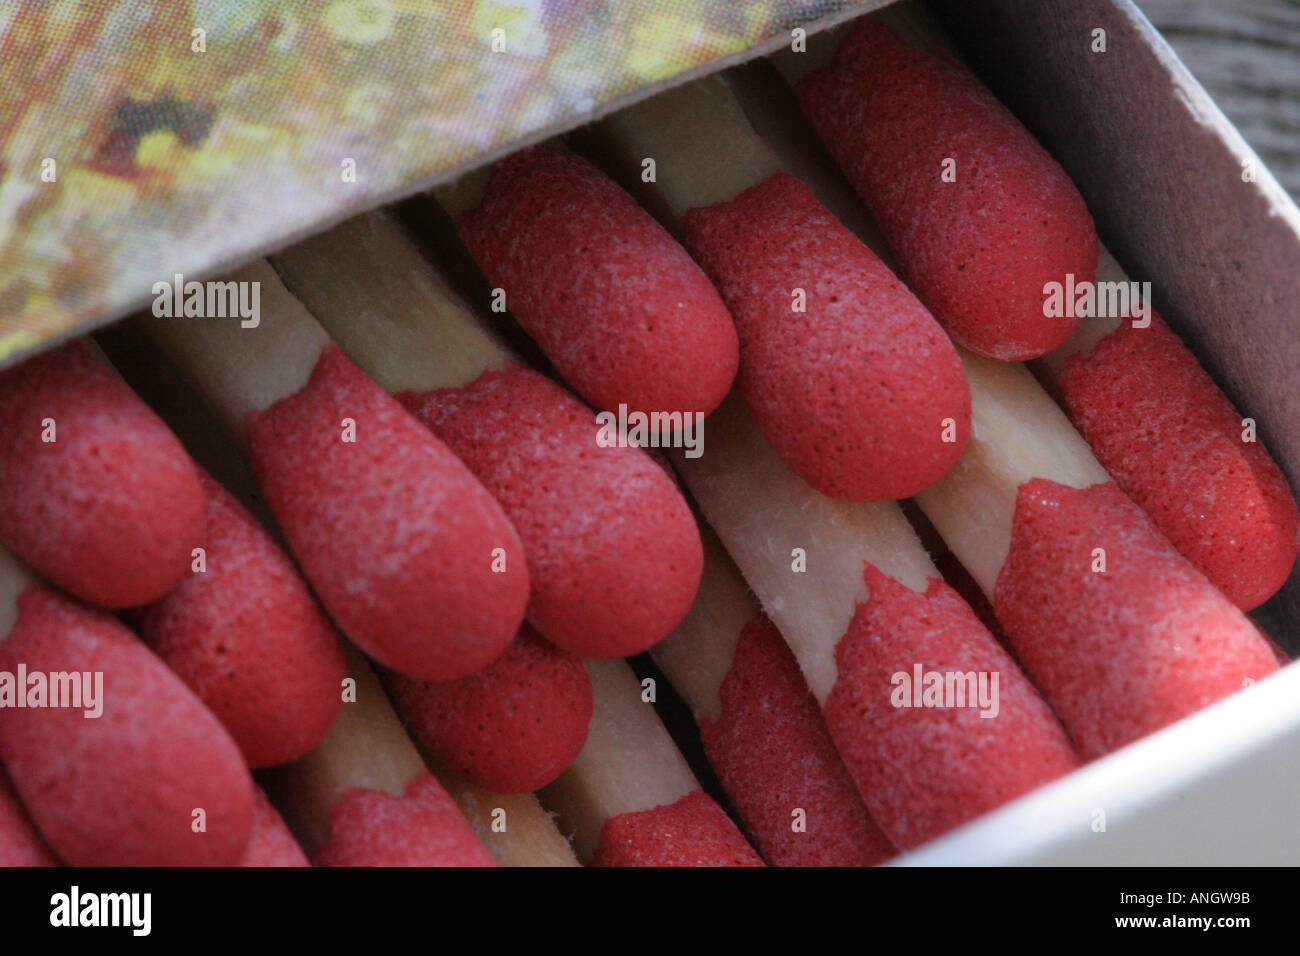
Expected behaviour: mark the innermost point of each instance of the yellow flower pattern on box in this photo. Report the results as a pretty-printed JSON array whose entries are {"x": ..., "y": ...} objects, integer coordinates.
[{"x": 141, "y": 138}]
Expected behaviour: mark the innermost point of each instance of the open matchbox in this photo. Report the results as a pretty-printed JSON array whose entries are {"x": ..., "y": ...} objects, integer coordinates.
[{"x": 1182, "y": 202}]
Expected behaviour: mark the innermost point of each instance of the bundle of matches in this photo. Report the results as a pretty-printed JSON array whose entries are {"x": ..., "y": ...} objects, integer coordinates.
[{"x": 428, "y": 671}]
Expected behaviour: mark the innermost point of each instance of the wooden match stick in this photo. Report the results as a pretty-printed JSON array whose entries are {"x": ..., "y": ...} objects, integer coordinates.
[
  {"x": 604, "y": 529},
  {"x": 368, "y": 747},
  {"x": 388, "y": 308},
  {"x": 763, "y": 731},
  {"x": 370, "y": 286},
  {"x": 128, "y": 797},
  {"x": 1081, "y": 580},
  {"x": 333, "y": 453},
  {"x": 630, "y": 798}
]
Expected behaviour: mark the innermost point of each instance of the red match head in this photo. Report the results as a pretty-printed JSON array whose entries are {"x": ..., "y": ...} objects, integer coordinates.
[{"x": 99, "y": 496}]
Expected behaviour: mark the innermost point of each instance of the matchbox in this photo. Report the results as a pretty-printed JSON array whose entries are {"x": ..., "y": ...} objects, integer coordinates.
[{"x": 411, "y": 351}]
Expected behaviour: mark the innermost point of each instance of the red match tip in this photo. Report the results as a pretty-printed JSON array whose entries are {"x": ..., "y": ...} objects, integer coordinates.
[
  {"x": 980, "y": 216},
  {"x": 612, "y": 299},
  {"x": 614, "y": 554},
  {"x": 407, "y": 551},
  {"x": 271, "y": 843},
  {"x": 247, "y": 636},
  {"x": 924, "y": 770},
  {"x": 1120, "y": 652},
  {"x": 20, "y": 843},
  {"x": 155, "y": 780},
  {"x": 512, "y": 727},
  {"x": 694, "y": 831},
  {"x": 99, "y": 497},
  {"x": 772, "y": 752},
  {"x": 423, "y": 827},
  {"x": 1173, "y": 442},
  {"x": 860, "y": 393}
]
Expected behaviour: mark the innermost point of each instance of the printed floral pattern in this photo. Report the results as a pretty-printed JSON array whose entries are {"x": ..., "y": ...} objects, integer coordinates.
[{"x": 140, "y": 138}]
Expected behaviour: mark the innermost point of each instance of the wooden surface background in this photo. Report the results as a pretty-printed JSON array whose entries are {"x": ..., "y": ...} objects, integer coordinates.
[{"x": 1246, "y": 53}]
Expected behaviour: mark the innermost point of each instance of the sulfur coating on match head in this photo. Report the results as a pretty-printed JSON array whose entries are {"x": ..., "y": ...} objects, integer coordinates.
[
  {"x": 270, "y": 843},
  {"x": 155, "y": 780},
  {"x": 612, "y": 299},
  {"x": 407, "y": 551},
  {"x": 1119, "y": 632},
  {"x": 1175, "y": 445},
  {"x": 20, "y": 842},
  {"x": 693, "y": 831},
  {"x": 924, "y": 770},
  {"x": 773, "y": 754},
  {"x": 980, "y": 216},
  {"x": 512, "y": 727},
  {"x": 614, "y": 554},
  {"x": 855, "y": 385},
  {"x": 423, "y": 827},
  {"x": 245, "y": 633},
  {"x": 99, "y": 496}
]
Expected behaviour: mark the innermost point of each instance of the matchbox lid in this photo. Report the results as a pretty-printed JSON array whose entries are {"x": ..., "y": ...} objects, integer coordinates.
[{"x": 138, "y": 141}]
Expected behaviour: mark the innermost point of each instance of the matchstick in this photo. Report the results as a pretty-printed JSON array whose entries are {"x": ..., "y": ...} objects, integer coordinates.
[
  {"x": 979, "y": 215},
  {"x": 1157, "y": 422},
  {"x": 390, "y": 528},
  {"x": 630, "y": 799},
  {"x": 613, "y": 552},
  {"x": 107, "y": 512},
  {"x": 367, "y": 749},
  {"x": 1083, "y": 583},
  {"x": 1176, "y": 445},
  {"x": 851, "y": 379},
  {"x": 156, "y": 779},
  {"x": 615, "y": 303},
  {"x": 763, "y": 731}
]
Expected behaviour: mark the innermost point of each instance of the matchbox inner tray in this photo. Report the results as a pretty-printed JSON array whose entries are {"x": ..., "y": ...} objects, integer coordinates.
[{"x": 162, "y": 169}]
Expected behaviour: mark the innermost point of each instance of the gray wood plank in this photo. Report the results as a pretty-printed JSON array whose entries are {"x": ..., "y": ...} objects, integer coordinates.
[{"x": 1246, "y": 53}]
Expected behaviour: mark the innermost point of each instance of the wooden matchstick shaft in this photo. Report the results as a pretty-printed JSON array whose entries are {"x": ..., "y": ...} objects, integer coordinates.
[
  {"x": 465, "y": 193},
  {"x": 1093, "y": 328},
  {"x": 1017, "y": 433},
  {"x": 529, "y": 837},
  {"x": 242, "y": 370},
  {"x": 773, "y": 524},
  {"x": 14, "y": 577},
  {"x": 629, "y": 762},
  {"x": 698, "y": 654},
  {"x": 366, "y": 747},
  {"x": 388, "y": 308},
  {"x": 704, "y": 149}
]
